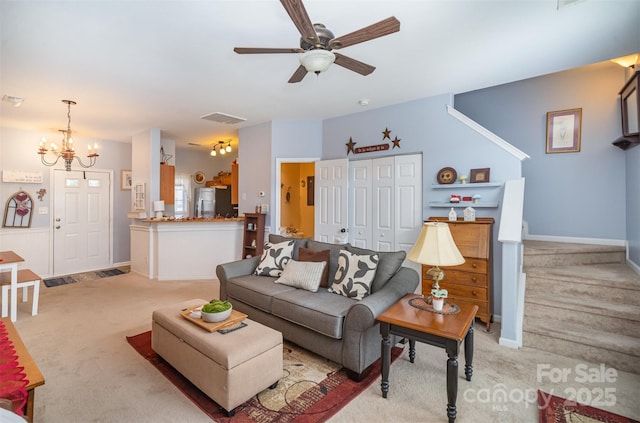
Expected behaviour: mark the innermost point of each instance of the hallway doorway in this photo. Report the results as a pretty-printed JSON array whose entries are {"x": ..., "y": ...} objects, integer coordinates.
[{"x": 295, "y": 197}]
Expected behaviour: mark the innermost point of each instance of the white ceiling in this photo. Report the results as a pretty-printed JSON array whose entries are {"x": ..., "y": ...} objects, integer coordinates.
[{"x": 135, "y": 65}]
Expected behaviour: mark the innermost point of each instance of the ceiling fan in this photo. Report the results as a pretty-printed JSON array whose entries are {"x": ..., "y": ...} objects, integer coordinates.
[{"x": 317, "y": 43}]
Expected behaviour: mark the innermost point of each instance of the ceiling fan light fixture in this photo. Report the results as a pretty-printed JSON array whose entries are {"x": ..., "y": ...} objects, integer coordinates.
[{"x": 317, "y": 60}]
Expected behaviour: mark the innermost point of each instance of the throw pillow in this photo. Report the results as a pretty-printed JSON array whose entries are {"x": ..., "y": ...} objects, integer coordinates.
[
  {"x": 302, "y": 274},
  {"x": 306, "y": 254},
  {"x": 299, "y": 242},
  {"x": 388, "y": 265},
  {"x": 354, "y": 275},
  {"x": 274, "y": 258}
]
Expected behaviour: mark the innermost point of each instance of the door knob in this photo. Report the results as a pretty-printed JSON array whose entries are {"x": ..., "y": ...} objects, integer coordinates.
[
  {"x": 57, "y": 219},
  {"x": 343, "y": 230},
  {"x": 58, "y": 227}
]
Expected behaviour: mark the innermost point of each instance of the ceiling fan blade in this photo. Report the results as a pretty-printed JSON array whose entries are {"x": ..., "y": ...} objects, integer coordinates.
[
  {"x": 300, "y": 18},
  {"x": 376, "y": 30},
  {"x": 298, "y": 75},
  {"x": 258, "y": 50},
  {"x": 353, "y": 64}
]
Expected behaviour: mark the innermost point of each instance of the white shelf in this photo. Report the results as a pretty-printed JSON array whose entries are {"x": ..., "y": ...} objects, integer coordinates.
[
  {"x": 466, "y": 186},
  {"x": 463, "y": 204}
]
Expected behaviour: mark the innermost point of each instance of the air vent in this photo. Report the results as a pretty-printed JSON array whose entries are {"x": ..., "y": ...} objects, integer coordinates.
[{"x": 223, "y": 118}]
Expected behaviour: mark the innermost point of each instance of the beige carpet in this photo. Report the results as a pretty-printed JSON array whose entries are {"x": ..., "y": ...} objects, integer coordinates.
[{"x": 93, "y": 375}]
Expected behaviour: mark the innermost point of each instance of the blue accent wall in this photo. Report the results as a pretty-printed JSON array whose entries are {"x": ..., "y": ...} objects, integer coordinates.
[{"x": 570, "y": 195}]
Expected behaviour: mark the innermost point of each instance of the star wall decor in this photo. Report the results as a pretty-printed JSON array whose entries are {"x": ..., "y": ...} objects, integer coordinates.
[
  {"x": 350, "y": 145},
  {"x": 386, "y": 134}
]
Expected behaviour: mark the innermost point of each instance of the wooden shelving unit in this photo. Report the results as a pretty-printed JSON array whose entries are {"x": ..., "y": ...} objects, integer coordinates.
[{"x": 253, "y": 240}]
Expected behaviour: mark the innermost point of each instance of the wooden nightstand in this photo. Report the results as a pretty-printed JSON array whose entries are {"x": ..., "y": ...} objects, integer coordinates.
[{"x": 470, "y": 282}]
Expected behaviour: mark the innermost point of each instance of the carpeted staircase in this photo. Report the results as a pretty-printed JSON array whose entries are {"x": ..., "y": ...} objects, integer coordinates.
[{"x": 582, "y": 301}]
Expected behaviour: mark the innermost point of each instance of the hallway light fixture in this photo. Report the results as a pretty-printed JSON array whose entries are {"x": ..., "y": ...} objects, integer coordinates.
[
  {"x": 220, "y": 148},
  {"x": 68, "y": 152}
]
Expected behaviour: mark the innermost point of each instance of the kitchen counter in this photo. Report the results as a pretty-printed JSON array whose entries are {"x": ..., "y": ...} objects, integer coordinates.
[
  {"x": 183, "y": 249},
  {"x": 194, "y": 220}
]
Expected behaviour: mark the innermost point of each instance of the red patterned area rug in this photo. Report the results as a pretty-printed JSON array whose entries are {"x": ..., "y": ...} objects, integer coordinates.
[
  {"x": 559, "y": 410},
  {"x": 311, "y": 391}
]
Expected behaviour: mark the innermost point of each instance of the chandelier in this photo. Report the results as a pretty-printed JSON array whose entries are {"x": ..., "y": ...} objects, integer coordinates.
[
  {"x": 220, "y": 148},
  {"x": 67, "y": 152}
]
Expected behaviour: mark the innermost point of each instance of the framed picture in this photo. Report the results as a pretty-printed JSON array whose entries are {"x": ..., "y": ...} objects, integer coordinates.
[
  {"x": 479, "y": 175},
  {"x": 630, "y": 103},
  {"x": 563, "y": 131},
  {"x": 125, "y": 180}
]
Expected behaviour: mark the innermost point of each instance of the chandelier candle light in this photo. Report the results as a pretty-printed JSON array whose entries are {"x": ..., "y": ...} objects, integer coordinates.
[
  {"x": 68, "y": 152},
  {"x": 435, "y": 247}
]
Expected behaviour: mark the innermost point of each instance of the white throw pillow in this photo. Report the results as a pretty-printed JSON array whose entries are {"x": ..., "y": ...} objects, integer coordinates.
[
  {"x": 274, "y": 258},
  {"x": 355, "y": 275},
  {"x": 303, "y": 274}
]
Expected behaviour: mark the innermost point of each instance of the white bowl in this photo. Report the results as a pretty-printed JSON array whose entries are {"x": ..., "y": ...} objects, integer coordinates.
[{"x": 216, "y": 317}]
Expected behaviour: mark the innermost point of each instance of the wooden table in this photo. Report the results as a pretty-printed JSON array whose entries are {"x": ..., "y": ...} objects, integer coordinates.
[
  {"x": 9, "y": 260},
  {"x": 25, "y": 360},
  {"x": 442, "y": 330}
]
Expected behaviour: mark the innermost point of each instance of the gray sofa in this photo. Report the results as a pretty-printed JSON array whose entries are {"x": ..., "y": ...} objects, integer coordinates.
[{"x": 334, "y": 326}]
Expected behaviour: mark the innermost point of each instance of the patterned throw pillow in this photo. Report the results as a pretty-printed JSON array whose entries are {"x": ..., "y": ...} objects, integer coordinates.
[
  {"x": 355, "y": 275},
  {"x": 302, "y": 274},
  {"x": 274, "y": 258}
]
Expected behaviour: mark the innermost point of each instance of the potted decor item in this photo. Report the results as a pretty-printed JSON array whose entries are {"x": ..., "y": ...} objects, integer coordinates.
[
  {"x": 216, "y": 311},
  {"x": 437, "y": 298}
]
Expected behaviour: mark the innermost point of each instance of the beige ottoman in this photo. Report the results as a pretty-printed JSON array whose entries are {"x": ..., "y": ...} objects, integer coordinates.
[{"x": 229, "y": 368}]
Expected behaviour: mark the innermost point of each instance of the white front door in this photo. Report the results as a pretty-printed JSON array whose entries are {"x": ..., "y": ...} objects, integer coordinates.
[
  {"x": 331, "y": 200},
  {"x": 81, "y": 221}
]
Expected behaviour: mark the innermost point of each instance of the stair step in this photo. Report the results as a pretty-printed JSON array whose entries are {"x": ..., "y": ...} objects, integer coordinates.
[
  {"x": 571, "y": 340},
  {"x": 586, "y": 305},
  {"x": 551, "y": 254},
  {"x": 534, "y": 311},
  {"x": 610, "y": 282}
]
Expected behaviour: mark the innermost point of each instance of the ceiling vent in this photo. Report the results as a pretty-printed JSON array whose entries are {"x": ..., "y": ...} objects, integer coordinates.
[{"x": 223, "y": 118}]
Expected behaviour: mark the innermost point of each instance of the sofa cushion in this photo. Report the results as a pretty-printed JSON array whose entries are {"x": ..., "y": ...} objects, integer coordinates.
[
  {"x": 274, "y": 258},
  {"x": 389, "y": 262},
  {"x": 306, "y": 254},
  {"x": 298, "y": 242},
  {"x": 320, "y": 311},
  {"x": 256, "y": 291},
  {"x": 302, "y": 274},
  {"x": 334, "y": 252},
  {"x": 355, "y": 275}
]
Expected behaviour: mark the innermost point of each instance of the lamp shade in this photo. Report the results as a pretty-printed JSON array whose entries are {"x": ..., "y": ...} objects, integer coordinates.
[
  {"x": 317, "y": 60},
  {"x": 158, "y": 205},
  {"x": 435, "y": 246}
]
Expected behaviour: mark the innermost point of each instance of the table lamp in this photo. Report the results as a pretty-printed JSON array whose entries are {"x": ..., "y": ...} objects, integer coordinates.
[
  {"x": 435, "y": 247},
  {"x": 158, "y": 207}
]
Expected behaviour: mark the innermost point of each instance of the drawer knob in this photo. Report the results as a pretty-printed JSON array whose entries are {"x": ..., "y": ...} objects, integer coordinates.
[
  {"x": 475, "y": 279},
  {"x": 474, "y": 265},
  {"x": 474, "y": 292}
]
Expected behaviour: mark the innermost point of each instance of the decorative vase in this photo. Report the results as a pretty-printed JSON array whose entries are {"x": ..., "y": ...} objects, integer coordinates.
[{"x": 438, "y": 303}]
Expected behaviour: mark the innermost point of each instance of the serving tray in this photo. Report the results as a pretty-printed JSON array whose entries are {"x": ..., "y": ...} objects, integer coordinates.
[{"x": 234, "y": 318}]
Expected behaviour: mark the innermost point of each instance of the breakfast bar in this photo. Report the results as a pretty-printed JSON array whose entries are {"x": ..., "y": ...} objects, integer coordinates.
[{"x": 166, "y": 249}]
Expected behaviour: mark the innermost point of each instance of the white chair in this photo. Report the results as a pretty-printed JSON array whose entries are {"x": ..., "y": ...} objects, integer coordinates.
[{"x": 26, "y": 278}]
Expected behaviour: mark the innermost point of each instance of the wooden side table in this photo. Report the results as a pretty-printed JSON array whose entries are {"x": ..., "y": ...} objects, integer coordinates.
[{"x": 442, "y": 330}]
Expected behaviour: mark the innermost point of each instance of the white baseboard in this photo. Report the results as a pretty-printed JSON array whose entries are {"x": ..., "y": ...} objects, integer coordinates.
[
  {"x": 577, "y": 240},
  {"x": 510, "y": 343}
]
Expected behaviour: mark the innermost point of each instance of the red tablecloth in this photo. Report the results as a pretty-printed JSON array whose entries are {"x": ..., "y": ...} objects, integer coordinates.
[{"x": 12, "y": 377}]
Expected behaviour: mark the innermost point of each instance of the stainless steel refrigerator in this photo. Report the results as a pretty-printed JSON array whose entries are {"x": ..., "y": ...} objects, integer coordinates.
[{"x": 204, "y": 201}]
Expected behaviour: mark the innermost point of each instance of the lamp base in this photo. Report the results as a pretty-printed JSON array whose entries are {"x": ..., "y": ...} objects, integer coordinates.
[{"x": 158, "y": 215}]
